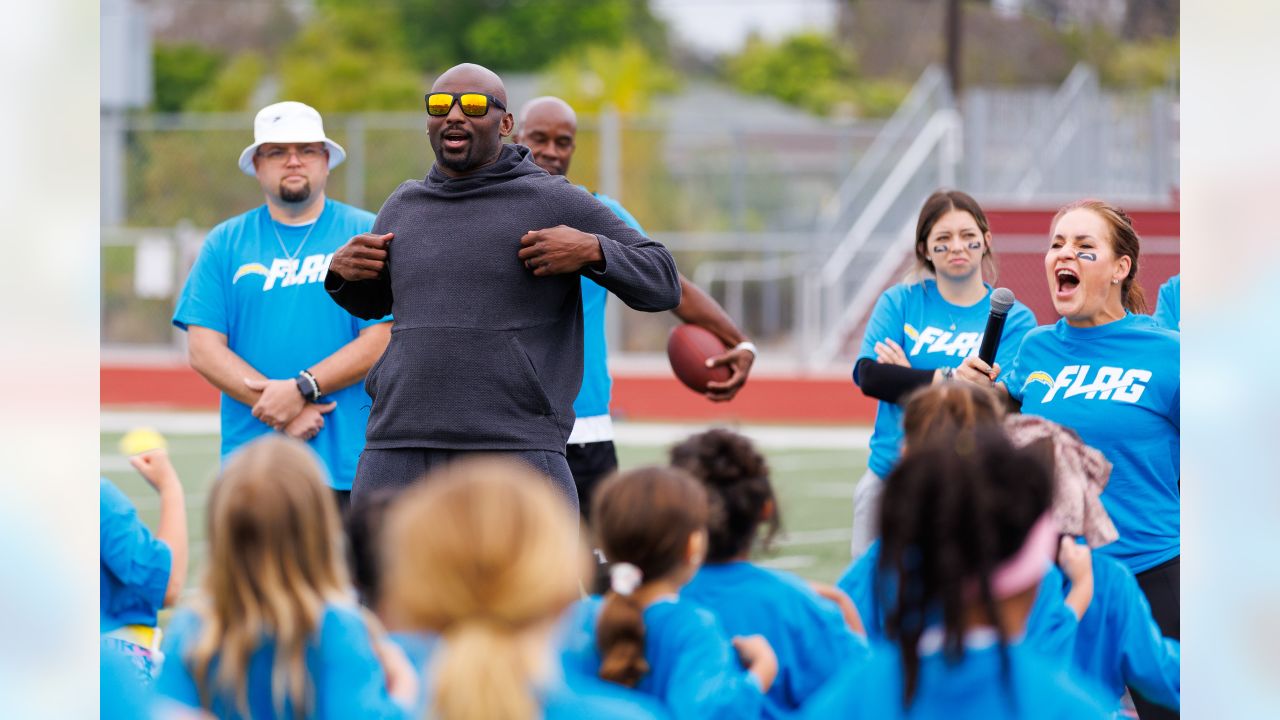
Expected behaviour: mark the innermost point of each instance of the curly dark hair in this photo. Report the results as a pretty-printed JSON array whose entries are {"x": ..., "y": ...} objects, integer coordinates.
[
  {"x": 737, "y": 482},
  {"x": 953, "y": 509}
]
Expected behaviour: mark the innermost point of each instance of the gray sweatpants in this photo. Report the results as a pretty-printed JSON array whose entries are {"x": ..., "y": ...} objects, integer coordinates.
[
  {"x": 866, "y": 511},
  {"x": 396, "y": 469}
]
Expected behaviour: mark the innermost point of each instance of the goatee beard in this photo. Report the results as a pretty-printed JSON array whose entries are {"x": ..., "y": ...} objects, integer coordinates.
[
  {"x": 295, "y": 195},
  {"x": 461, "y": 164}
]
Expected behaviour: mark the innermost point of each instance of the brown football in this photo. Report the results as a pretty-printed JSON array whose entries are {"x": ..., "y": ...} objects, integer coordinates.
[{"x": 688, "y": 349}]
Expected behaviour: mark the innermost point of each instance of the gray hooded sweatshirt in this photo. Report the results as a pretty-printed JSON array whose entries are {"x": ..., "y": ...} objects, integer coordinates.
[{"x": 483, "y": 355}]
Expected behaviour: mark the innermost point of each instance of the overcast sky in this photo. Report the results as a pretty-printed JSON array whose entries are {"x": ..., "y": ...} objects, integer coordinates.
[{"x": 722, "y": 25}]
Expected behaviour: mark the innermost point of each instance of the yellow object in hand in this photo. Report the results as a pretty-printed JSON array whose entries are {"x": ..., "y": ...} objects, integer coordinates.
[{"x": 141, "y": 440}]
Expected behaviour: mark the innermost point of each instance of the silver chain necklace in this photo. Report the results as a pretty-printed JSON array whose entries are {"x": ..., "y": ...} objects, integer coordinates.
[{"x": 283, "y": 249}]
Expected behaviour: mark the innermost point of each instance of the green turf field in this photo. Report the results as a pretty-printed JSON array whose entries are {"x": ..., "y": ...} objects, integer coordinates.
[{"x": 816, "y": 489}]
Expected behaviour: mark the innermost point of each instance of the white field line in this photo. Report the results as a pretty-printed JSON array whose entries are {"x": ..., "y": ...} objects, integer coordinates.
[
  {"x": 850, "y": 437},
  {"x": 169, "y": 423},
  {"x": 114, "y": 463},
  {"x": 789, "y": 562},
  {"x": 830, "y": 490},
  {"x": 796, "y": 463},
  {"x": 815, "y": 537}
]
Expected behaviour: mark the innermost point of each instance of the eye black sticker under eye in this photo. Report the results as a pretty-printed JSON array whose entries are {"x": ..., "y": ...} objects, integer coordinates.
[
  {"x": 975, "y": 245},
  {"x": 1091, "y": 257}
]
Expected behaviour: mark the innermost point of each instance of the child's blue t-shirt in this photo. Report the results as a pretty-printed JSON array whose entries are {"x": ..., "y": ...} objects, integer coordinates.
[
  {"x": 597, "y": 386},
  {"x": 568, "y": 697},
  {"x": 1119, "y": 643},
  {"x": 807, "y": 632},
  {"x": 122, "y": 694},
  {"x": 974, "y": 687},
  {"x": 347, "y": 680},
  {"x": 693, "y": 669},
  {"x": 934, "y": 334},
  {"x": 279, "y": 319},
  {"x": 1169, "y": 304},
  {"x": 134, "y": 566},
  {"x": 1051, "y": 625},
  {"x": 1117, "y": 386}
]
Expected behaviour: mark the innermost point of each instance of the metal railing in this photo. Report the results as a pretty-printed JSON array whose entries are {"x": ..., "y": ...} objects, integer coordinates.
[{"x": 795, "y": 228}]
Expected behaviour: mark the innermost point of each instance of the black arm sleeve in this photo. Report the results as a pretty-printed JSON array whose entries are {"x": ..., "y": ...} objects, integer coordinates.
[
  {"x": 366, "y": 299},
  {"x": 884, "y": 381}
]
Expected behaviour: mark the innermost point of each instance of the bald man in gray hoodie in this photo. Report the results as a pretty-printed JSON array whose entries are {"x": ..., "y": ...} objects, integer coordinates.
[{"x": 479, "y": 264}]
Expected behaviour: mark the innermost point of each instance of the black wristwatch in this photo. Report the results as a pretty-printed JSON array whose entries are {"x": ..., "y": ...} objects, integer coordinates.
[{"x": 308, "y": 387}]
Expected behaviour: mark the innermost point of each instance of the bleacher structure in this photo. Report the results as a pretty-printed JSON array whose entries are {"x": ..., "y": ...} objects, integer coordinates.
[{"x": 794, "y": 223}]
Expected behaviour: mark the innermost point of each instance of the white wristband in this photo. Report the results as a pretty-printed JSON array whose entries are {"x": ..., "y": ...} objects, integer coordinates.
[{"x": 749, "y": 346}]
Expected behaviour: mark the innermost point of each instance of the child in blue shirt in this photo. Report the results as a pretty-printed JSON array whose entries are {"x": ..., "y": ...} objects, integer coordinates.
[
  {"x": 965, "y": 523},
  {"x": 921, "y": 330},
  {"x": 486, "y": 559},
  {"x": 140, "y": 572},
  {"x": 807, "y": 632},
  {"x": 651, "y": 524},
  {"x": 1118, "y": 643},
  {"x": 948, "y": 408},
  {"x": 276, "y": 634}
]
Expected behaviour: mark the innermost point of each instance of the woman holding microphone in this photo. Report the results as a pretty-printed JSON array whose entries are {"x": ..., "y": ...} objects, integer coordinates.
[
  {"x": 1111, "y": 374},
  {"x": 922, "y": 328}
]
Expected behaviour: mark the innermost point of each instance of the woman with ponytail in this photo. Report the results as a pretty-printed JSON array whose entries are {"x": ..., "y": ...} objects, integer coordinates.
[
  {"x": 1111, "y": 374},
  {"x": 484, "y": 556},
  {"x": 967, "y": 534},
  {"x": 807, "y": 632},
  {"x": 276, "y": 633},
  {"x": 651, "y": 524}
]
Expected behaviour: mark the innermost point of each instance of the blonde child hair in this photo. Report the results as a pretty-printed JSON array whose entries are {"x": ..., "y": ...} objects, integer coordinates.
[
  {"x": 275, "y": 561},
  {"x": 485, "y": 553}
]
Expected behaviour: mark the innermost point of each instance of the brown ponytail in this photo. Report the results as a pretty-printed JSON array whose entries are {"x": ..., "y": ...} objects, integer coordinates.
[
  {"x": 1124, "y": 243},
  {"x": 621, "y": 631},
  {"x": 644, "y": 517}
]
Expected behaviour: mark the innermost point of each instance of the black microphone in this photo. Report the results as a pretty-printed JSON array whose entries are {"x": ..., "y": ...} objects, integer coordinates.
[{"x": 1001, "y": 301}]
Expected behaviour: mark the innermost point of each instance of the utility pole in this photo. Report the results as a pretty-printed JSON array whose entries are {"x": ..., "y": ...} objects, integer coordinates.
[{"x": 951, "y": 28}]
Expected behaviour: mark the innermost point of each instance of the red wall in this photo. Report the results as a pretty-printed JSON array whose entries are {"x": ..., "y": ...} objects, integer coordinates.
[{"x": 823, "y": 399}]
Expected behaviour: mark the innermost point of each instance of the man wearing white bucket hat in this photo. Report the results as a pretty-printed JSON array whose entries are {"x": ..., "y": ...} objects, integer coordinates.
[{"x": 260, "y": 325}]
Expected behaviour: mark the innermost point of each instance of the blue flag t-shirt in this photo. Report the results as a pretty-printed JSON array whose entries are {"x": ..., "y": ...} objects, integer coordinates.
[
  {"x": 1117, "y": 385},
  {"x": 277, "y": 316},
  {"x": 1169, "y": 304},
  {"x": 934, "y": 334},
  {"x": 693, "y": 668},
  {"x": 134, "y": 567},
  {"x": 597, "y": 386},
  {"x": 807, "y": 633}
]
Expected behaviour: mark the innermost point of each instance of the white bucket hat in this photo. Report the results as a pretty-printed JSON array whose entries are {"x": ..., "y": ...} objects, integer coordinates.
[{"x": 289, "y": 122}]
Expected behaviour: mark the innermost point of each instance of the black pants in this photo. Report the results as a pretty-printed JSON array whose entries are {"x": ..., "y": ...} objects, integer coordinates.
[
  {"x": 590, "y": 463},
  {"x": 1161, "y": 586},
  {"x": 343, "y": 498},
  {"x": 396, "y": 469}
]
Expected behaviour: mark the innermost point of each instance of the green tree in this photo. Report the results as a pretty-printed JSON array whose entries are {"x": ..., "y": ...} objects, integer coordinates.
[
  {"x": 521, "y": 35},
  {"x": 625, "y": 77},
  {"x": 811, "y": 72},
  {"x": 233, "y": 88},
  {"x": 182, "y": 71},
  {"x": 350, "y": 60}
]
